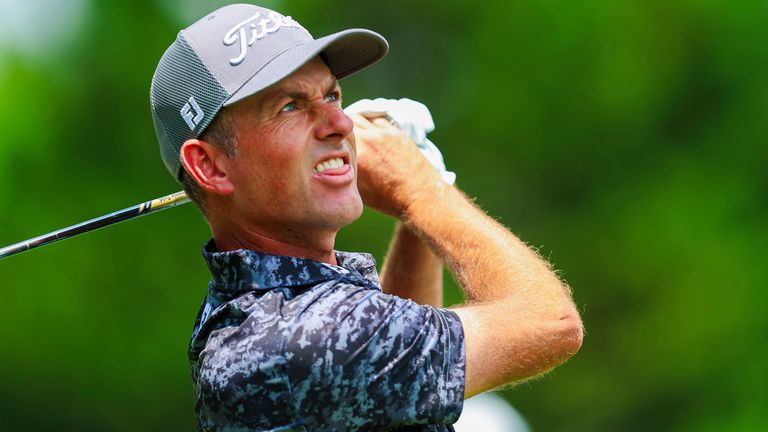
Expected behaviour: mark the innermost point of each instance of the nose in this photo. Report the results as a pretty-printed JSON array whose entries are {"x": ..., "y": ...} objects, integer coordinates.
[{"x": 333, "y": 123}]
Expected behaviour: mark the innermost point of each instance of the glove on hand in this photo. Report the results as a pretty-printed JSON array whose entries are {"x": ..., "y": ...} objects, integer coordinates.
[{"x": 411, "y": 117}]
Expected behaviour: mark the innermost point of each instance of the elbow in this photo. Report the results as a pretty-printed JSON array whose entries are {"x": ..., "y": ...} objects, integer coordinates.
[
  {"x": 570, "y": 334},
  {"x": 574, "y": 336}
]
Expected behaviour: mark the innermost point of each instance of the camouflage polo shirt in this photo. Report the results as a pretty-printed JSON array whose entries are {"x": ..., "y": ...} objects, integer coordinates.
[{"x": 291, "y": 344}]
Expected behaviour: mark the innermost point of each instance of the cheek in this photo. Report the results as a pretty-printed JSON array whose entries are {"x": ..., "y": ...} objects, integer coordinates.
[
  {"x": 273, "y": 159},
  {"x": 279, "y": 140}
]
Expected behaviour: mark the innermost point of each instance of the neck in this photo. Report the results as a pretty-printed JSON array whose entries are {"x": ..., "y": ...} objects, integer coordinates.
[{"x": 316, "y": 246}]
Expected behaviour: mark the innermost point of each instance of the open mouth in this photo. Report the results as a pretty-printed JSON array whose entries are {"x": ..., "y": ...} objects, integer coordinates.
[{"x": 330, "y": 164}]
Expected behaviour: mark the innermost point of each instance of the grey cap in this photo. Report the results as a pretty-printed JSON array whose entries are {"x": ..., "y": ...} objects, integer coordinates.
[{"x": 235, "y": 52}]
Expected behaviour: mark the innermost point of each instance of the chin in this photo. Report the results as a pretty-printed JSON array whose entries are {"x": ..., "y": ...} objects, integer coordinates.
[
  {"x": 344, "y": 213},
  {"x": 351, "y": 211}
]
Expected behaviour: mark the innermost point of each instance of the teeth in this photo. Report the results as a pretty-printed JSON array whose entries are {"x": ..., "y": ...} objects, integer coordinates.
[{"x": 329, "y": 164}]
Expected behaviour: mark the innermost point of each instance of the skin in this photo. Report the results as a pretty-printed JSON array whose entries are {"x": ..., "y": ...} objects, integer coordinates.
[
  {"x": 268, "y": 198},
  {"x": 519, "y": 320},
  {"x": 411, "y": 270}
]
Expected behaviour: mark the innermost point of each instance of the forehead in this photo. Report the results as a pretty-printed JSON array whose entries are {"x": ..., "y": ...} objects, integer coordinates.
[
  {"x": 313, "y": 76},
  {"x": 312, "y": 79}
]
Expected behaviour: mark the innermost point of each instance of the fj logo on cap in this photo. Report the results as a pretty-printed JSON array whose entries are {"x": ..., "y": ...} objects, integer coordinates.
[
  {"x": 191, "y": 113},
  {"x": 259, "y": 28}
]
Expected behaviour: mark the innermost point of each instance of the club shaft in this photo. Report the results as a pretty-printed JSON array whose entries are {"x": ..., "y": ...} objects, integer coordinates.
[{"x": 142, "y": 209}]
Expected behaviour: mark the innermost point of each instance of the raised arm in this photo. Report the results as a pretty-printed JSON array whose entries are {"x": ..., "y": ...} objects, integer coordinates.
[
  {"x": 519, "y": 320},
  {"x": 411, "y": 270}
]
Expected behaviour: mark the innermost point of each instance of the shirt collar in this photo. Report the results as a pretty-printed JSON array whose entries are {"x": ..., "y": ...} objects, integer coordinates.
[{"x": 243, "y": 269}]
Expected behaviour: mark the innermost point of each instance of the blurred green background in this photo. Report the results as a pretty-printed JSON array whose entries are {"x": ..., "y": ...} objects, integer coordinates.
[{"x": 622, "y": 138}]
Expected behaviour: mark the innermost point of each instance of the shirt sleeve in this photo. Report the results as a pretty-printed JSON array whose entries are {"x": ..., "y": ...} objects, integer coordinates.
[{"x": 361, "y": 358}]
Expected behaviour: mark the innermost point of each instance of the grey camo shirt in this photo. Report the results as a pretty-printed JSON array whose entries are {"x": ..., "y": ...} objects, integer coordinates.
[{"x": 291, "y": 344}]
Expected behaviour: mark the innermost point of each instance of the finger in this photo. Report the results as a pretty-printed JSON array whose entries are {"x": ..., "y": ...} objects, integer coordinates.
[
  {"x": 373, "y": 114},
  {"x": 383, "y": 122},
  {"x": 360, "y": 121}
]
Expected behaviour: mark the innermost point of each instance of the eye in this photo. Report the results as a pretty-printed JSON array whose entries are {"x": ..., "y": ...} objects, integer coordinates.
[
  {"x": 333, "y": 96},
  {"x": 289, "y": 107}
]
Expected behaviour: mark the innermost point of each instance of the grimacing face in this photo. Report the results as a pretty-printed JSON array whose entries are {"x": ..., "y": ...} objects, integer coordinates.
[{"x": 296, "y": 166}]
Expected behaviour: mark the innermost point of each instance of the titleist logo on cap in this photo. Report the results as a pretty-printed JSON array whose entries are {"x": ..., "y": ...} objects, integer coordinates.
[{"x": 271, "y": 23}]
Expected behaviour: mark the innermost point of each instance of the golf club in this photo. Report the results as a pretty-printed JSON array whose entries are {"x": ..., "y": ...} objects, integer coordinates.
[{"x": 142, "y": 209}]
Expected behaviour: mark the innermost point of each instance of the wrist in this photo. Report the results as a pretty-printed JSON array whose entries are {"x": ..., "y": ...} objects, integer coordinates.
[{"x": 429, "y": 203}]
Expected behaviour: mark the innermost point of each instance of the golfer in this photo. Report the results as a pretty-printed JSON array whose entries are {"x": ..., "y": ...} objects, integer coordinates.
[{"x": 292, "y": 334}]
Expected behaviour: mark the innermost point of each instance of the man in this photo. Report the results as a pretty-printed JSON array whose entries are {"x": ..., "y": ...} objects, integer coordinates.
[{"x": 292, "y": 334}]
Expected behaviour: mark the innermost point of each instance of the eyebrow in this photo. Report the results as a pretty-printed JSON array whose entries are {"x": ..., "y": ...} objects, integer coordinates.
[{"x": 282, "y": 93}]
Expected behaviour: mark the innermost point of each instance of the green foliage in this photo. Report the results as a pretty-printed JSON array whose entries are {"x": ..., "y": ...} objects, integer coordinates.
[{"x": 621, "y": 138}]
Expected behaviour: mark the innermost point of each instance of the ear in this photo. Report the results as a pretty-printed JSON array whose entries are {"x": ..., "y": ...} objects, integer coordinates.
[{"x": 206, "y": 163}]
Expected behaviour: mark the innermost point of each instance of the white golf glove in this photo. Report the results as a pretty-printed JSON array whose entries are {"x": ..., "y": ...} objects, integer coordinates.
[{"x": 411, "y": 117}]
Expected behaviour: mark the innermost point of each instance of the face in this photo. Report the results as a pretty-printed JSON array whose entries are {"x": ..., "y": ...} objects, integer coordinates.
[{"x": 296, "y": 169}]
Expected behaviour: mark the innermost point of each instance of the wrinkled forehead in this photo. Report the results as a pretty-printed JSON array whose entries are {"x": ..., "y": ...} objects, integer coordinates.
[
  {"x": 315, "y": 74},
  {"x": 313, "y": 78}
]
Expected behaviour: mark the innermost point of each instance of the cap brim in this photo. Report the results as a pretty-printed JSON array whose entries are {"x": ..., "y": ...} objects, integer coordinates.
[{"x": 345, "y": 53}]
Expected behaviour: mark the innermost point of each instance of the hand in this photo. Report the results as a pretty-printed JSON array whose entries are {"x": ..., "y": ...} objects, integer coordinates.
[
  {"x": 411, "y": 117},
  {"x": 392, "y": 172}
]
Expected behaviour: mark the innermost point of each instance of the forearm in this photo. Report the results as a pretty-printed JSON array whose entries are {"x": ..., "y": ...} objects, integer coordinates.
[
  {"x": 489, "y": 261},
  {"x": 519, "y": 320},
  {"x": 411, "y": 270}
]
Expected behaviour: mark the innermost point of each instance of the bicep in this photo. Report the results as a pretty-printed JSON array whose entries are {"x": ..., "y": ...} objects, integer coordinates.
[{"x": 505, "y": 344}]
